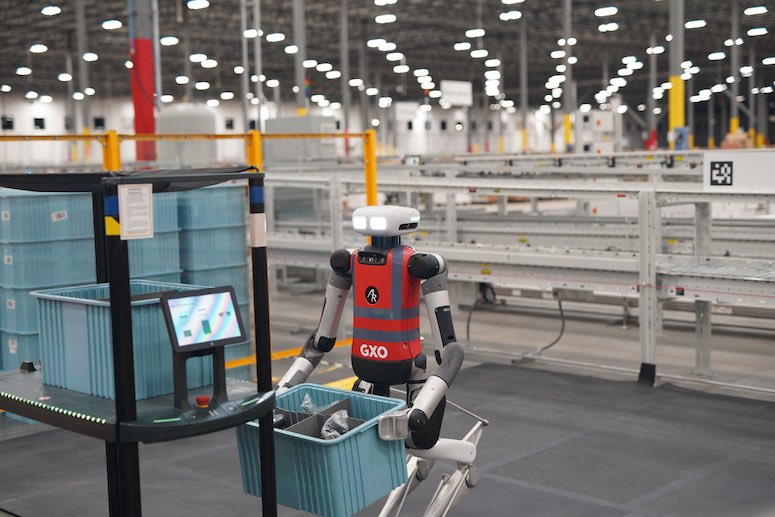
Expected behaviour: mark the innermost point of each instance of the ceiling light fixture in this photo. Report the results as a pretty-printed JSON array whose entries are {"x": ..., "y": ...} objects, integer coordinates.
[
  {"x": 385, "y": 18},
  {"x": 195, "y": 5},
  {"x": 111, "y": 25},
  {"x": 695, "y": 24},
  {"x": 51, "y": 10},
  {"x": 606, "y": 11}
]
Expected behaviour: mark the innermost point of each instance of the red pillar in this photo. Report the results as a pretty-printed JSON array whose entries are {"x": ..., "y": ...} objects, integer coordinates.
[{"x": 142, "y": 83}]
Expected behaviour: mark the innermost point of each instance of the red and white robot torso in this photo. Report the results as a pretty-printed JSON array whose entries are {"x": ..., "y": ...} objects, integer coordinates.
[{"x": 386, "y": 326}]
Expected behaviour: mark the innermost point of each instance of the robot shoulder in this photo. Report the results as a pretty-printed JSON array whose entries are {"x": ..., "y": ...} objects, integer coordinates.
[
  {"x": 425, "y": 265},
  {"x": 340, "y": 261}
]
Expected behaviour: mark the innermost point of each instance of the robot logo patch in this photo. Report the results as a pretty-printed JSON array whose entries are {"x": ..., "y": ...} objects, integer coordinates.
[
  {"x": 721, "y": 174},
  {"x": 372, "y": 295}
]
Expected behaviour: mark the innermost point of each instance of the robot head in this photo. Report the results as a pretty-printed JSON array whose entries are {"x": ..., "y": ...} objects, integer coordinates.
[{"x": 385, "y": 221}]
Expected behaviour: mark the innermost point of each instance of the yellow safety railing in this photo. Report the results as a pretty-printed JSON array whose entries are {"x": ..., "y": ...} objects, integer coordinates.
[{"x": 254, "y": 154}]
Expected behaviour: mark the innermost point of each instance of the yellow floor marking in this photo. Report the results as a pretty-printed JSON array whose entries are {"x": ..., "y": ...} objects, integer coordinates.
[
  {"x": 282, "y": 354},
  {"x": 344, "y": 384}
]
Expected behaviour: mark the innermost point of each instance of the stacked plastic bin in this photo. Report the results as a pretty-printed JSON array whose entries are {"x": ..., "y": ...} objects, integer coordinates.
[
  {"x": 76, "y": 340},
  {"x": 213, "y": 244},
  {"x": 47, "y": 241}
]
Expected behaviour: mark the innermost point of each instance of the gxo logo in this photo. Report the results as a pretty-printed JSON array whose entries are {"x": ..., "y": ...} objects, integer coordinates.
[{"x": 374, "y": 351}]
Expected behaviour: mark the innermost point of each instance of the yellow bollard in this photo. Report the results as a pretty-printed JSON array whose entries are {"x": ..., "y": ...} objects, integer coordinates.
[
  {"x": 370, "y": 165},
  {"x": 111, "y": 151},
  {"x": 254, "y": 149}
]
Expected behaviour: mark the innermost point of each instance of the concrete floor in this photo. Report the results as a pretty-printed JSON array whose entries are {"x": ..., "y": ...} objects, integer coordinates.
[{"x": 559, "y": 444}]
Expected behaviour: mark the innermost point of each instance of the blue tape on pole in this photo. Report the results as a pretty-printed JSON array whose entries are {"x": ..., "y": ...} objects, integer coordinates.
[
  {"x": 256, "y": 195},
  {"x": 111, "y": 205}
]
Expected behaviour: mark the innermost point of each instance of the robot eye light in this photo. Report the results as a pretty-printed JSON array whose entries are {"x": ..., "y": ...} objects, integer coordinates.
[
  {"x": 378, "y": 223},
  {"x": 359, "y": 223}
]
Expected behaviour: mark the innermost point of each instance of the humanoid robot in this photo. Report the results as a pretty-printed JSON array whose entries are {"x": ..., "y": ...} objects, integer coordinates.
[{"x": 387, "y": 278}]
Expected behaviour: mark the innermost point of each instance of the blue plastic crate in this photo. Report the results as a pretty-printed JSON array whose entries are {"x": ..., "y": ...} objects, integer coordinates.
[
  {"x": 76, "y": 341},
  {"x": 37, "y": 217},
  {"x": 331, "y": 478},
  {"x": 236, "y": 277},
  {"x": 33, "y": 264},
  {"x": 213, "y": 247},
  {"x": 155, "y": 256},
  {"x": 216, "y": 206},
  {"x": 34, "y": 216},
  {"x": 18, "y": 310},
  {"x": 165, "y": 212},
  {"x": 173, "y": 278},
  {"x": 16, "y": 347}
]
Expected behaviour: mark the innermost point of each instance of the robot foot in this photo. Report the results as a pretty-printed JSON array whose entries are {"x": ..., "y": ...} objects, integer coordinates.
[{"x": 453, "y": 487}]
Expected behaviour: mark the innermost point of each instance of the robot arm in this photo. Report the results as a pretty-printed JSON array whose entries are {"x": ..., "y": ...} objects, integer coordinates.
[
  {"x": 431, "y": 269},
  {"x": 324, "y": 337}
]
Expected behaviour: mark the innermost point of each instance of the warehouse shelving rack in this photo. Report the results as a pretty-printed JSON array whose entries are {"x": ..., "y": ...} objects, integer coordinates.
[{"x": 125, "y": 422}]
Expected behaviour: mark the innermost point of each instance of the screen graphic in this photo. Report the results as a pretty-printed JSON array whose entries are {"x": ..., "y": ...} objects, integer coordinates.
[{"x": 204, "y": 318}]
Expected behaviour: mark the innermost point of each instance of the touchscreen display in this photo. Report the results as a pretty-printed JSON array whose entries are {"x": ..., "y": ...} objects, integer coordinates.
[{"x": 204, "y": 318}]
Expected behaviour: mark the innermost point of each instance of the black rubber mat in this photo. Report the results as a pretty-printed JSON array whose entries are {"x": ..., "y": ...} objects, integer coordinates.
[{"x": 557, "y": 445}]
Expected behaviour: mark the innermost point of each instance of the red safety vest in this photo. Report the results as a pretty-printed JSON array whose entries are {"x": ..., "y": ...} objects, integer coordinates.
[{"x": 386, "y": 297}]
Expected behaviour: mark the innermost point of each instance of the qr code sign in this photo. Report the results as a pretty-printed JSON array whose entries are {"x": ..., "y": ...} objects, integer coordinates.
[{"x": 721, "y": 174}]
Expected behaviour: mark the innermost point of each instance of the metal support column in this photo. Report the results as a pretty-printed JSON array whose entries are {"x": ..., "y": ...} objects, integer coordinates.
[
  {"x": 523, "y": 99},
  {"x": 71, "y": 124},
  {"x": 258, "y": 257},
  {"x": 245, "y": 77},
  {"x": 568, "y": 100},
  {"x": 83, "y": 66},
  {"x": 648, "y": 305},
  {"x": 141, "y": 34},
  {"x": 651, "y": 104},
  {"x": 752, "y": 113},
  {"x": 676, "y": 111},
  {"x": 188, "y": 88},
  {"x": 123, "y": 459},
  {"x": 498, "y": 112},
  {"x": 762, "y": 133},
  {"x": 258, "y": 63},
  {"x": 300, "y": 40},
  {"x": 344, "y": 66},
  {"x": 690, "y": 112},
  {"x": 702, "y": 309},
  {"x": 451, "y": 218},
  {"x": 363, "y": 72},
  {"x": 156, "y": 54},
  {"x": 712, "y": 122},
  {"x": 734, "y": 62}
]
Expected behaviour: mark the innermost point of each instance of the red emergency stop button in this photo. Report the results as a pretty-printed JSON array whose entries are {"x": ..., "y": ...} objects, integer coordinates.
[{"x": 202, "y": 401}]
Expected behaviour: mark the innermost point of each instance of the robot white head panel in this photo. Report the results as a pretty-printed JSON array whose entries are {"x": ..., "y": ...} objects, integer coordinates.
[{"x": 385, "y": 220}]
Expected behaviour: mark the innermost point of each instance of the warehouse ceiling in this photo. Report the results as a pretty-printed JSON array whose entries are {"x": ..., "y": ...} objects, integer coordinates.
[{"x": 424, "y": 31}]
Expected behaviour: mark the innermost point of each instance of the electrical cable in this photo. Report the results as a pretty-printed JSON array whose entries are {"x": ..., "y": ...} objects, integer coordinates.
[
  {"x": 562, "y": 330},
  {"x": 487, "y": 296}
]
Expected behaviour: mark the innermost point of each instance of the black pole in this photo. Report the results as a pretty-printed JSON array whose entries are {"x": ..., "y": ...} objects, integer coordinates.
[
  {"x": 100, "y": 245},
  {"x": 123, "y": 461},
  {"x": 263, "y": 341}
]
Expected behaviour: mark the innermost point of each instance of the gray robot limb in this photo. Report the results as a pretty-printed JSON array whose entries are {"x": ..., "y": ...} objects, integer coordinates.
[{"x": 323, "y": 338}]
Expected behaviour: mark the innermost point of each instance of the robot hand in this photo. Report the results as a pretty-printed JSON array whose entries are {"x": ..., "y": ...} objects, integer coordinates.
[
  {"x": 395, "y": 425},
  {"x": 302, "y": 367}
]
